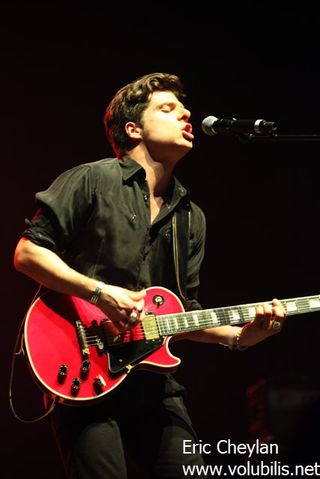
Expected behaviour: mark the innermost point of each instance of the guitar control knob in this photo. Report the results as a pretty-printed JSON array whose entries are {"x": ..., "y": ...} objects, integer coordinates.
[
  {"x": 158, "y": 299},
  {"x": 98, "y": 384},
  {"x": 75, "y": 386},
  {"x": 84, "y": 370},
  {"x": 62, "y": 373}
]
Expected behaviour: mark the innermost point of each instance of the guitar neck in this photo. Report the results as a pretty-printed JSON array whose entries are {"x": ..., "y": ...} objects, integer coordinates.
[{"x": 188, "y": 321}]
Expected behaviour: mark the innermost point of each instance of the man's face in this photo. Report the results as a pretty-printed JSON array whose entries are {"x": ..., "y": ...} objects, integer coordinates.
[{"x": 166, "y": 131}]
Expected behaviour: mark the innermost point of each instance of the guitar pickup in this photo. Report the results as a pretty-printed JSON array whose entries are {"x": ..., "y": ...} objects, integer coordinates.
[{"x": 150, "y": 327}]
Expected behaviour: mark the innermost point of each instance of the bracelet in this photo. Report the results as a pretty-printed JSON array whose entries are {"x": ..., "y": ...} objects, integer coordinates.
[
  {"x": 236, "y": 342},
  {"x": 97, "y": 293}
]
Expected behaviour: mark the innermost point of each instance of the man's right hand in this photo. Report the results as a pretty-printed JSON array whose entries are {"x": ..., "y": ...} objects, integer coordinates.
[{"x": 123, "y": 307}]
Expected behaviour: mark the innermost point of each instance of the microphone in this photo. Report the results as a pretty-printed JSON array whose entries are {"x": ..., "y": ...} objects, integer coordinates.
[{"x": 230, "y": 126}]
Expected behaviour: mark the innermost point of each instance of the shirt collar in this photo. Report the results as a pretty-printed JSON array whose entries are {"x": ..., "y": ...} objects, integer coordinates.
[{"x": 130, "y": 167}]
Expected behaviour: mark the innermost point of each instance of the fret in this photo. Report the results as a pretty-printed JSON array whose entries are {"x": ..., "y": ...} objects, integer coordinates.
[
  {"x": 167, "y": 323},
  {"x": 234, "y": 316},
  {"x": 291, "y": 306},
  {"x": 195, "y": 319},
  {"x": 214, "y": 318},
  {"x": 185, "y": 322},
  {"x": 302, "y": 305},
  {"x": 251, "y": 312},
  {"x": 314, "y": 303},
  {"x": 173, "y": 322},
  {"x": 222, "y": 315}
]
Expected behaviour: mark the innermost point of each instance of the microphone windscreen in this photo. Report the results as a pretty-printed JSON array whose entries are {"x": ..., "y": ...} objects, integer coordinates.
[{"x": 207, "y": 125}]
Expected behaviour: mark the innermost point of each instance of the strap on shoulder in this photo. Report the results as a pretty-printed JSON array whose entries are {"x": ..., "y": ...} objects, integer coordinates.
[{"x": 181, "y": 222}]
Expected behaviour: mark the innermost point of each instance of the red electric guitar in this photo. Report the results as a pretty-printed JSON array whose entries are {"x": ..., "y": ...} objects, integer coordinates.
[{"x": 76, "y": 355}]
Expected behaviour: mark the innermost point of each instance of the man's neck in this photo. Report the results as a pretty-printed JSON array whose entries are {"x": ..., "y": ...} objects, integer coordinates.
[{"x": 158, "y": 174}]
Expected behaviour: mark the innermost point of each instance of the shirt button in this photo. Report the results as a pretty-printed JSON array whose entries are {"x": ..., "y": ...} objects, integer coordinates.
[{"x": 145, "y": 197}]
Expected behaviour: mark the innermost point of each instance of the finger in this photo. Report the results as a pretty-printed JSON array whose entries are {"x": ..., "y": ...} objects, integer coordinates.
[
  {"x": 121, "y": 320},
  {"x": 259, "y": 312},
  {"x": 267, "y": 310},
  {"x": 263, "y": 315},
  {"x": 137, "y": 295},
  {"x": 133, "y": 305},
  {"x": 278, "y": 304},
  {"x": 140, "y": 311},
  {"x": 278, "y": 312},
  {"x": 122, "y": 325},
  {"x": 133, "y": 319},
  {"x": 130, "y": 321},
  {"x": 259, "y": 316}
]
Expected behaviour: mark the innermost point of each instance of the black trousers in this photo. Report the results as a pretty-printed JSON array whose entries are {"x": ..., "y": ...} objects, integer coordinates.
[{"x": 136, "y": 433}]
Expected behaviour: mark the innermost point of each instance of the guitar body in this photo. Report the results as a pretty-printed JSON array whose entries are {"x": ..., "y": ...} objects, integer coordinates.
[{"x": 77, "y": 356}]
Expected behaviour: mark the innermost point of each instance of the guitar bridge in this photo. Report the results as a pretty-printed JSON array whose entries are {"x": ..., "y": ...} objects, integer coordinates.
[{"x": 82, "y": 338}]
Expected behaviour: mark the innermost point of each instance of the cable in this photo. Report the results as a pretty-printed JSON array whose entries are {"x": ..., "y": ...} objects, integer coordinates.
[{"x": 16, "y": 353}]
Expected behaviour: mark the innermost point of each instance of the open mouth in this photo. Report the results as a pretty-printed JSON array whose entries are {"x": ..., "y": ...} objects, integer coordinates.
[{"x": 187, "y": 132}]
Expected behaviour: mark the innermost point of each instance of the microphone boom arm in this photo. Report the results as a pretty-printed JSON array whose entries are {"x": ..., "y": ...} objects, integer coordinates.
[{"x": 275, "y": 137}]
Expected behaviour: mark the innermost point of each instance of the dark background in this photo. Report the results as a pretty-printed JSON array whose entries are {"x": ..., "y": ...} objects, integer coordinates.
[{"x": 60, "y": 66}]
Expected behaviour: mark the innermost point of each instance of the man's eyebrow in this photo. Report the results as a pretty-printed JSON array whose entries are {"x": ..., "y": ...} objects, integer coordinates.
[{"x": 171, "y": 103}]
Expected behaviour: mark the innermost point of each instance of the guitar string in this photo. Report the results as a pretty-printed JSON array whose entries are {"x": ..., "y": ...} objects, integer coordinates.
[
  {"x": 203, "y": 315},
  {"x": 207, "y": 321},
  {"x": 204, "y": 318}
]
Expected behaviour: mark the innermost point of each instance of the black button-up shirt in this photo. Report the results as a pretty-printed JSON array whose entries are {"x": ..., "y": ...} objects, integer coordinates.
[{"x": 96, "y": 216}]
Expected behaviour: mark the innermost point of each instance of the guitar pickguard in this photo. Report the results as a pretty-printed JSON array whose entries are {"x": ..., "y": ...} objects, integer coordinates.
[{"x": 128, "y": 354}]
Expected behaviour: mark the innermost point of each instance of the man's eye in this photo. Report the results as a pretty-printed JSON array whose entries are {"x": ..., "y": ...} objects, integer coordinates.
[{"x": 166, "y": 108}]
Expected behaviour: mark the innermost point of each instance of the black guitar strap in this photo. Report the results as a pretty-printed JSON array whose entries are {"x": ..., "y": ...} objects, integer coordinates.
[{"x": 181, "y": 222}]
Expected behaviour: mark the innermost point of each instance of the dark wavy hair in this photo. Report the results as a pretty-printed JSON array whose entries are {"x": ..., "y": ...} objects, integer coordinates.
[{"x": 129, "y": 103}]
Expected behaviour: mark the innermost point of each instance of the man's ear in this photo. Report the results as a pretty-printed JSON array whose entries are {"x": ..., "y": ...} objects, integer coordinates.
[{"x": 133, "y": 131}]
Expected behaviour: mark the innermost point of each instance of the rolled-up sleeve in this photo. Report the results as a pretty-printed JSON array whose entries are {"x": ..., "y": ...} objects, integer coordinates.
[{"x": 62, "y": 209}]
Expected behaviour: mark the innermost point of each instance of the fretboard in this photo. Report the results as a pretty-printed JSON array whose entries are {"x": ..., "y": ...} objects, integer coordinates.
[{"x": 171, "y": 324}]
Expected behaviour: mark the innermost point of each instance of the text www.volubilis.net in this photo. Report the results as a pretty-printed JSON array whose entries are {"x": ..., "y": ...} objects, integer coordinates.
[{"x": 249, "y": 469}]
